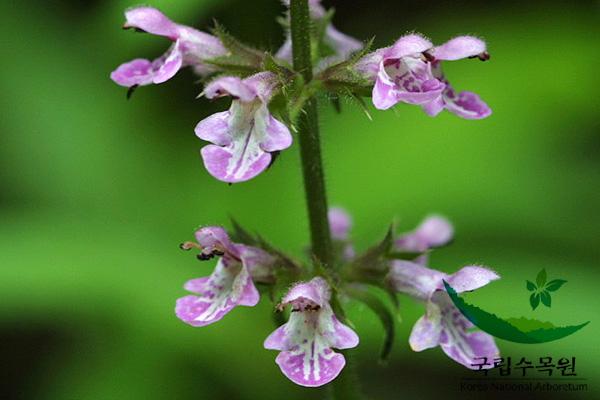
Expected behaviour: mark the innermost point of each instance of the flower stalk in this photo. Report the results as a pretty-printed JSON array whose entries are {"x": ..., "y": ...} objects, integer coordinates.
[{"x": 308, "y": 137}]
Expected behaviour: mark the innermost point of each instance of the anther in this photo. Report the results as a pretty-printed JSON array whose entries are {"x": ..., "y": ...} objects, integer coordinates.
[
  {"x": 131, "y": 90},
  {"x": 428, "y": 56},
  {"x": 482, "y": 56},
  {"x": 204, "y": 257}
]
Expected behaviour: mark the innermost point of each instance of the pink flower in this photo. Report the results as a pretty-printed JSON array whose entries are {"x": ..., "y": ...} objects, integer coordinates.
[
  {"x": 340, "y": 223},
  {"x": 409, "y": 71},
  {"x": 340, "y": 45},
  {"x": 443, "y": 324},
  {"x": 402, "y": 73},
  {"x": 434, "y": 231},
  {"x": 230, "y": 284},
  {"x": 190, "y": 48},
  {"x": 307, "y": 339},
  {"x": 245, "y": 136}
]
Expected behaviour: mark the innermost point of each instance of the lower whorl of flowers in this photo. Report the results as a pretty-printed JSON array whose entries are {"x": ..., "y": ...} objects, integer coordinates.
[{"x": 307, "y": 342}]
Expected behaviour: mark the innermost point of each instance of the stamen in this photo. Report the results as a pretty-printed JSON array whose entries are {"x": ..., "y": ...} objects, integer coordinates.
[
  {"x": 428, "y": 56},
  {"x": 131, "y": 90},
  {"x": 204, "y": 256},
  {"x": 189, "y": 245},
  {"x": 482, "y": 56},
  {"x": 274, "y": 156}
]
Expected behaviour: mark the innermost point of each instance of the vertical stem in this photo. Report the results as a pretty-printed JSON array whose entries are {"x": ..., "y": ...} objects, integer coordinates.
[
  {"x": 345, "y": 386},
  {"x": 310, "y": 146}
]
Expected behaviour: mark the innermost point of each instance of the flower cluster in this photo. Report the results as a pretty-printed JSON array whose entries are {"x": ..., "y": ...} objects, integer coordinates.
[
  {"x": 267, "y": 97},
  {"x": 245, "y": 137},
  {"x": 307, "y": 340}
]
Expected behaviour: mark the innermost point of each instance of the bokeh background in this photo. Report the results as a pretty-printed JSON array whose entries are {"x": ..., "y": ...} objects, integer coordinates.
[{"x": 96, "y": 193}]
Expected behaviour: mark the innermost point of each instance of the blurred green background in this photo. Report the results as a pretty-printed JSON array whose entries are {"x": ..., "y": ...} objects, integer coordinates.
[{"x": 96, "y": 193}]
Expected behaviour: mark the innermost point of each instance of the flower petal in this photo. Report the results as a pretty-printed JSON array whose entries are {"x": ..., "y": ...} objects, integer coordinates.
[
  {"x": 383, "y": 95},
  {"x": 434, "y": 231},
  {"x": 457, "y": 340},
  {"x": 200, "y": 46},
  {"x": 215, "y": 237},
  {"x": 140, "y": 72},
  {"x": 263, "y": 84},
  {"x": 167, "y": 66},
  {"x": 230, "y": 86},
  {"x": 137, "y": 72},
  {"x": 285, "y": 51},
  {"x": 409, "y": 80},
  {"x": 408, "y": 45},
  {"x": 427, "y": 330},
  {"x": 369, "y": 65},
  {"x": 429, "y": 91},
  {"x": 278, "y": 136},
  {"x": 258, "y": 262},
  {"x": 229, "y": 285},
  {"x": 244, "y": 158},
  {"x": 434, "y": 107},
  {"x": 277, "y": 340},
  {"x": 342, "y": 44},
  {"x": 151, "y": 20},
  {"x": 218, "y": 162},
  {"x": 414, "y": 279},
  {"x": 344, "y": 337},
  {"x": 316, "y": 292},
  {"x": 339, "y": 223},
  {"x": 467, "y": 105},
  {"x": 308, "y": 371},
  {"x": 215, "y": 129},
  {"x": 471, "y": 278},
  {"x": 459, "y": 47}
]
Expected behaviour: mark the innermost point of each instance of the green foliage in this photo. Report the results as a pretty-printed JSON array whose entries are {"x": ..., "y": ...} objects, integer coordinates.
[
  {"x": 386, "y": 317},
  {"x": 241, "y": 60},
  {"x": 372, "y": 265},
  {"x": 342, "y": 78}
]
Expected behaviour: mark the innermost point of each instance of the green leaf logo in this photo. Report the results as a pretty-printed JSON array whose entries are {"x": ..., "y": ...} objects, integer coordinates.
[
  {"x": 534, "y": 300},
  {"x": 541, "y": 289},
  {"x": 541, "y": 278},
  {"x": 554, "y": 285}
]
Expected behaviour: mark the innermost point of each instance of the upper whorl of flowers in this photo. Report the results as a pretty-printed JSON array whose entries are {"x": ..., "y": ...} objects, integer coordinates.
[
  {"x": 244, "y": 138},
  {"x": 267, "y": 96}
]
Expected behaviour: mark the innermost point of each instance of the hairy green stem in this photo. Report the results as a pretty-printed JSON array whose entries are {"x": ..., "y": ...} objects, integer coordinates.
[
  {"x": 308, "y": 136},
  {"x": 344, "y": 386}
]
